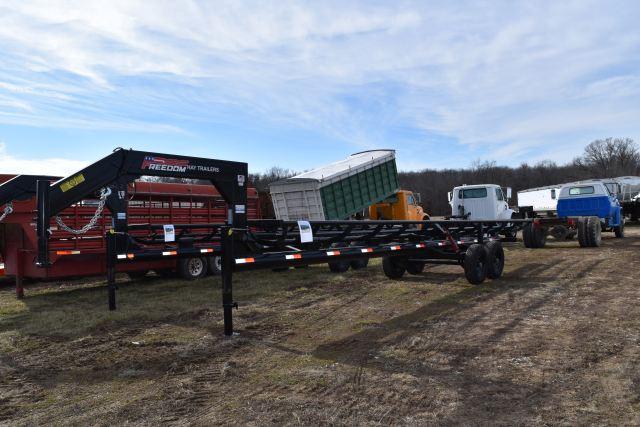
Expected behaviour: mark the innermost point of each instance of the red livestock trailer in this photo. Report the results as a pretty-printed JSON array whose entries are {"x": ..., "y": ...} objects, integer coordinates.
[{"x": 72, "y": 255}]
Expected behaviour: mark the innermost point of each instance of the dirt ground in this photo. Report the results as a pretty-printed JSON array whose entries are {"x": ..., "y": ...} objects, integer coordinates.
[{"x": 555, "y": 341}]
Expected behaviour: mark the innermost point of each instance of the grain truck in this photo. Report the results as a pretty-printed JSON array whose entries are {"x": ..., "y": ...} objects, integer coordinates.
[{"x": 341, "y": 190}]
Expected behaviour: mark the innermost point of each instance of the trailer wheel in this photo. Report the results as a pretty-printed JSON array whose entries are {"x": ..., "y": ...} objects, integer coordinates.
[
  {"x": 359, "y": 264},
  {"x": 475, "y": 266},
  {"x": 192, "y": 268},
  {"x": 214, "y": 264},
  {"x": 619, "y": 230},
  {"x": 339, "y": 266},
  {"x": 526, "y": 236},
  {"x": 393, "y": 267},
  {"x": 582, "y": 232},
  {"x": 560, "y": 232},
  {"x": 415, "y": 267},
  {"x": 495, "y": 259},
  {"x": 539, "y": 236},
  {"x": 594, "y": 232}
]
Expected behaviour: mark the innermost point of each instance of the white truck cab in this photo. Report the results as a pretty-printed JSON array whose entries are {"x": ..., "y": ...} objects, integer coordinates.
[{"x": 480, "y": 202}]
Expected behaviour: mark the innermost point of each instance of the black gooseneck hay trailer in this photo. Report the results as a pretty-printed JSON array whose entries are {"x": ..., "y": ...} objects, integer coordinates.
[{"x": 405, "y": 246}]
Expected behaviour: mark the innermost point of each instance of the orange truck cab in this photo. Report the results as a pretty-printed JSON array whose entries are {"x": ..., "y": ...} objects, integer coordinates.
[{"x": 404, "y": 205}]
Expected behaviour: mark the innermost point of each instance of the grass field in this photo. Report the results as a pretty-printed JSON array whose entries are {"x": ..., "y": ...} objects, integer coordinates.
[{"x": 556, "y": 340}]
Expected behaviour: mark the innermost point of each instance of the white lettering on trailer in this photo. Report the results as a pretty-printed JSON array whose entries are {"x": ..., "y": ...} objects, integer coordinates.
[{"x": 167, "y": 168}]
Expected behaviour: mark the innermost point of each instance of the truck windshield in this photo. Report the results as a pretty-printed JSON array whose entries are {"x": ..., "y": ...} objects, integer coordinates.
[
  {"x": 473, "y": 193},
  {"x": 577, "y": 191}
]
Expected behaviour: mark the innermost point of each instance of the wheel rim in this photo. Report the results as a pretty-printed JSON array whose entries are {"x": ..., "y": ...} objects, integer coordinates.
[{"x": 195, "y": 266}]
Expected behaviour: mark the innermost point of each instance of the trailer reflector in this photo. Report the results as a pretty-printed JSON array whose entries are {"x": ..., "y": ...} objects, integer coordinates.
[
  {"x": 122, "y": 256},
  {"x": 294, "y": 256},
  {"x": 169, "y": 253},
  {"x": 130, "y": 256},
  {"x": 245, "y": 260},
  {"x": 366, "y": 251},
  {"x": 206, "y": 251},
  {"x": 395, "y": 248},
  {"x": 421, "y": 245},
  {"x": 67, "y": 252},
  {"x": 333, "y": 253}
]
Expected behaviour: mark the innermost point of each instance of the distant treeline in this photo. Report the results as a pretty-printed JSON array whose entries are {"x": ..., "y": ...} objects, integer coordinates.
[{"x": 602, "y": 158}]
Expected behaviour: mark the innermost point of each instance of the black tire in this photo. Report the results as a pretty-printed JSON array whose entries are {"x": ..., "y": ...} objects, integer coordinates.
[
  {"x": 619, "y": 230},
  {"x": 559, "y": 232},
  {"x": 594, "y": 231},
  {"x": 214, "y": 264},
  {"x": 415, "y": 267},
  {"x": 339, "y": 266},
  {"x": 475, "y": 266},
  {"x": 393, "y": 267},
  {"x": 359, "y": 264},
  {"x": 192, "y": 268},
  {"x": 495, "y": 259},
  {"x": 582, "y": 232},
  {"x": 137, "y": 275},
  {"x": 527, "y": 236},
  {"x": 539, "y": 236}
]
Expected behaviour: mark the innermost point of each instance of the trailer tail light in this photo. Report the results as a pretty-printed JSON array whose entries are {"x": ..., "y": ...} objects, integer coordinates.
[
  {"x": 169, "y": 253},
  {"x": 294, "y": 256},
  {"x": 206, "y": 251},
  {"x": 245, "y": 260},
  {"x": 126, "y": 256},
  {"x": 1, "y": 270},
  {"x": 395, "y": 248},
  {"x": 366, "y": 250},
  {"x": 333, "y": 253},
  {"x": 61, "y": 253},
  {"x": 421, "y": 246}
]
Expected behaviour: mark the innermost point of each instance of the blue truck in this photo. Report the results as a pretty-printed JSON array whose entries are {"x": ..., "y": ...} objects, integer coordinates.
[{"x": 588, "y": 207}]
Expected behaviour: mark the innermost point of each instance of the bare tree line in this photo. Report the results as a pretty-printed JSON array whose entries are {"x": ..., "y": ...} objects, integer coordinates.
[{"x": 602, "y": 158}]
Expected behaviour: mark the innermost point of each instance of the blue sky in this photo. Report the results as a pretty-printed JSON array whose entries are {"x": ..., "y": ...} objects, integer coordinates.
[{"x": 299, "y": 84}]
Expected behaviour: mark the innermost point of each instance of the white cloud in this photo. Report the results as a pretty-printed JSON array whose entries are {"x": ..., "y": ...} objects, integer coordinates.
[
  {"x": 514, "y": 79},
  {"x": 49, "y": 166}
]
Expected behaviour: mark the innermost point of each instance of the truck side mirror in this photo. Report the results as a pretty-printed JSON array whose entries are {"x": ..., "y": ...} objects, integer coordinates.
[
  {"x": 450, "y": 195},
  {"x": 508, "y": 193},
  {"x": 417, "y": 197}
]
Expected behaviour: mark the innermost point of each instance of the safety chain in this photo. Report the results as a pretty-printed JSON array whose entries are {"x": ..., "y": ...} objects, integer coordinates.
[
  {"x": 104, "y": 193},
  {"x": 8, "y": 208}
]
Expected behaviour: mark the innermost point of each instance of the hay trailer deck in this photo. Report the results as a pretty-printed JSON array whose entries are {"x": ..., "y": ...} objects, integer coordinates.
[{"x": 405, "y": 246}]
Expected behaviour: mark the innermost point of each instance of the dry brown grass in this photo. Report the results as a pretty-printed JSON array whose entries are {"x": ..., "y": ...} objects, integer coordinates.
[{"x": 554, "y": 341}]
